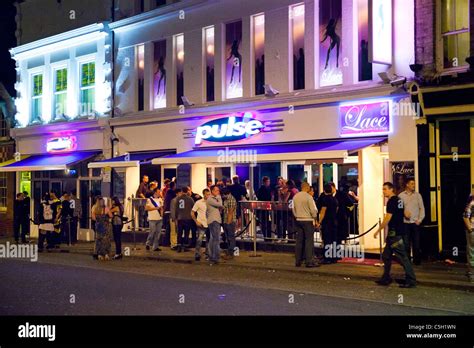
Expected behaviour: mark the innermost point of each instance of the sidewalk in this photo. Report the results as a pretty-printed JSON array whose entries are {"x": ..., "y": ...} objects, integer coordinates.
[{"x": 434, "y": 274}]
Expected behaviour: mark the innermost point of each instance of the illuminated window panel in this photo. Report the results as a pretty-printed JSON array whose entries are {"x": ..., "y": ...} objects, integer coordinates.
[
  {"x": 233, "y": 57},
  {"x": 259, "y": 52},
  {"x": 60, "y": 92},
  {"x": 209, "y": 62},
  {"x": 297, "y": 41}
]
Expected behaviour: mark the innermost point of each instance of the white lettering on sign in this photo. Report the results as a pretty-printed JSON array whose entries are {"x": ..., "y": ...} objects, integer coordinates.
[
  {"x": 228, "y": 130},
  {"x": 61, "y": 144},
  {"x": 354, "y": 120}
]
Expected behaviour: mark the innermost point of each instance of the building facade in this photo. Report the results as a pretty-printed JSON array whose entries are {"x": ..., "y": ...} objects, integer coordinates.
[
  {"x": 312, "y": 91},
  {"x": 444, "y": 89}
]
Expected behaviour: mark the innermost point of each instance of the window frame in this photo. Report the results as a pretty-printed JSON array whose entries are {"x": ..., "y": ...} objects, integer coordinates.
[
  {"x": 81, "y": 60},
  {"x": 440, "y": 37},
  {"x": 40, "y": 70},
  {"x": 55, "y": 67}
]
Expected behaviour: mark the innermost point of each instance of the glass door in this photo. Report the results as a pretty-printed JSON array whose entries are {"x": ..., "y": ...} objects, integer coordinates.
[{"x": 89, "y": 188}]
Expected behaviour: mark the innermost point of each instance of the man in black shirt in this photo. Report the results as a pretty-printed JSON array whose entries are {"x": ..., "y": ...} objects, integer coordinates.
[
  {"x": 394, "y": 241},
  {"x": 67, "y": 213},
  {"x": 239, "y": 192},
  {"x": 328, "y": 221}
]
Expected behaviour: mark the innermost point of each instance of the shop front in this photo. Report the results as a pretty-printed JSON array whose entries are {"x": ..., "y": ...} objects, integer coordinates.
[
  {"x": 52, "y": 160},
  {"x": 348, "y": 143}
]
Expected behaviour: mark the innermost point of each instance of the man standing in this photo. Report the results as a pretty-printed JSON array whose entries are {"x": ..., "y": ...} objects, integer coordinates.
[
  {"x": 56, "y": 208},
  {"x": 344, "y": 202},
  {"x": 239, "y": 192},
  {"x": 230, "y": 219},
  {"x": 168, "y": 197},
  {"x": 264, "y": 193},
  {"x": 154, "y": 207},
  {"x": 328, "y": 221},
  {"x": 76, "y": 216},
  {"x": 469, "y": 224},
  {"x": 414, "y": 215},
  {"x": 305, "y": 213},
  {"x": 394, "y": 240},
  {"x": 66, "y": 218},
  {"x": 27, "y": 202},
  {"x": 142, "y": 192},
  {"x": 184, "y": 204},
  {"x": 213, "y": 214},
  {"x": 198, "y": 214},
  {"x": 173, "y": 218},
  {"x": 20, "y": 218}
]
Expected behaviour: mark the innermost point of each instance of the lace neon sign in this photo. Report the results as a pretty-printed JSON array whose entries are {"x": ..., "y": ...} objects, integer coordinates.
[
  {"x": 228, "y": 129},
  {"x": 365, "y": 118},
  {"x": 61, "y": 144}
]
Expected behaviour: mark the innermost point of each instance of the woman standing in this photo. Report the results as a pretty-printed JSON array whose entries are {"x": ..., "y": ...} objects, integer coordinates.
[
  {"x": 117, "y": 225},
  {"x": 469, "y": 225},
  {"x": 101, "y": 215}
]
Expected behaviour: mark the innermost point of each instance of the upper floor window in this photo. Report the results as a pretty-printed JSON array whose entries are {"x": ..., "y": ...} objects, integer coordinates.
[
  {"x": 455, "y": 32},
  {"x": 179, "y": 60},
  {"x": 36, "y": 97},
  {"x": 233, "y": 65},
  {"x": 330, "y": 42},
  {"x": 259, "y": 52},
  {"x": 209, "y": 62},
  {"x": 140, "y": 58},
  {"x": 60, "y": 92},
  {"x": 159, "y": 74},
  {"x": 297, "y": 40},
  {"x": 87, "y": 88}
]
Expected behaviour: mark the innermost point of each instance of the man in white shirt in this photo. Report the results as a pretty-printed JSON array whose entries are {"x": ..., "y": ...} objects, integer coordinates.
[
  {"x": 154, "y": 207},
  {"x": 414, "y": 212},
  {"x": 198, "y": 214}
]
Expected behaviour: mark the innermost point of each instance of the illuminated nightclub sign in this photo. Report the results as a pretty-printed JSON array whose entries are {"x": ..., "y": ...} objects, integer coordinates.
[
  {"x": 365, "y": 118},
  {"x": 228, "y": 129},
  {"x": 61, "y": 144}
]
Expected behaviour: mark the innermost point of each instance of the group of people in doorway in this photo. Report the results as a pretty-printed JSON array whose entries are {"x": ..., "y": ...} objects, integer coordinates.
[{"x": 57, "y": 219}]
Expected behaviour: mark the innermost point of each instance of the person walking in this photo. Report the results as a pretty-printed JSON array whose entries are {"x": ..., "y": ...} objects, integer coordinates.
[
  {"x": 469, "y": 224},
  {"x": 305, "y": 212},
  {"x": 117, "y": 212},
  {"x": 101, "y": 215},
  {"x": 328, "y": 222},
  {"x": 394, "y": 240},
  {"x": 198, "y": 214},
  {"x": 184, "y": 205},
  {"x": 213, "y": 214},
  {"x": 414, "y": 215},
  {"x": 230, "y": 220},
  {"x": 154, "y": 207},
  {"x": 20, "y": 218}
]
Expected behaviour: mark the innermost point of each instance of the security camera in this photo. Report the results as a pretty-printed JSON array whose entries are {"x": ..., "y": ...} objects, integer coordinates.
[
  {"x": 186, "y": 101},
  {"x": 114, "y": 138},
  {"x": 398, "y": 81},
  {"x": 270, "y": 91}
]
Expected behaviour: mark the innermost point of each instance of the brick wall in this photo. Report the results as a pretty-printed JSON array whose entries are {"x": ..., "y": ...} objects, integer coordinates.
[{"x": 425, "y": 34}]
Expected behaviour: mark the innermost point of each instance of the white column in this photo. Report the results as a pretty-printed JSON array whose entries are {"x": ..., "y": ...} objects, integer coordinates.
[
  {"x": 349, "y": 39},
  {"x": 219, "y": 62},
  {"x": 198, "y": 177},
  {"x": 47, "y": 89},
  {"x": 311, "y": 36},
  {"x": 148, "y": 78},
  {"x": 72, "y": 84},
  {"x": 170, "y": 73},
  {"x": 194, "y": 67}
]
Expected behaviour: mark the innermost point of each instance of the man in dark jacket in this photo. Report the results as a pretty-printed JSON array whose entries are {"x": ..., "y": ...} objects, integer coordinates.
[
  {"x": 67, "y": 214},
  {"x": 344, "y": 202},
  {"x": 20, "y": 218},
  {"x": 264, "y": 193}
]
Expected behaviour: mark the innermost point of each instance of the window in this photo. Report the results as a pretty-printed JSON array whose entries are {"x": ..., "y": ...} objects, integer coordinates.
[
  {"x": 179, "y": 60},
  {"x": 36, "y": 97},
  {"x": 60, "y": 92},
  {"x": 330, "y": 39},
  {"x": 3, "y": 192},
  {"x": 365, "y": 67},
  {"x": 140, "y": 54},
  {"x": 455, "y": 32},
  {"x": 297, "y": 40},
  {"x": 209, "y": 62},
  {"x": 259, "y": 52},
  {"x": 87, "y": 93},
  {"x": 159, "y": 74},
  {"x": 233, "y": 57}
]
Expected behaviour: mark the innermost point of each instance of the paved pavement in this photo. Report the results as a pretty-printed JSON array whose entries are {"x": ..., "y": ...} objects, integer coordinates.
[{"x": 48, "y": 288}]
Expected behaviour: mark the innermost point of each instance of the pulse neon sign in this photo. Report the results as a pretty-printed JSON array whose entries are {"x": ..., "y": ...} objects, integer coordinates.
[
  {"x": 228, "y": 129},
  {"x": 61, "y": 144}
]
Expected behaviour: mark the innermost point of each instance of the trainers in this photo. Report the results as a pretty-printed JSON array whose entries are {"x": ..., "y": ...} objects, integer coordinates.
[
  {"x": 117, "y": 256},
  {"x": 407, "y": 285},
  {"x": 384, "y": 282},
  {"x": 197, "y": 258},
  {"x": 312, "y": 265},
  {"x": 147, "y": 247},
  {"x": 157, "y": 249}
]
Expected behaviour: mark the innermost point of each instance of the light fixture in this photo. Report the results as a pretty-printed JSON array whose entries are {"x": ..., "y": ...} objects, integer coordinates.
[
  {"x": 394, "y": 81},
  {"x": 186, "y": 101},
  {"x": 114, "y": 138},
  {"x": 270, "y": 91}
]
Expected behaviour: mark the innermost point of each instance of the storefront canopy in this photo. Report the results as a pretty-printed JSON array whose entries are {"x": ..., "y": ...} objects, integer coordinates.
[
  {"x": 46, "y": 162},
  {"x": 337, "y": 149},
  {"x": 134, "y": 159}
]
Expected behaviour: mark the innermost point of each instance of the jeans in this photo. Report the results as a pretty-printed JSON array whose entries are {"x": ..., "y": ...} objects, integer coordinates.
[
  {"x": 265, "y": 223},
  {"x": 201, "y": 232},
  {"x": 153, "y": 239},
  {"x": 229, "y": 231},
  {"x": 395, "y": 245},
  {"x": 412, "y": 240},
  {"x": 173, "y": 234},
  {"x": 22, "y": 224},
  {"x": 214, "y": 250},
  {"x": 304, "y": 241},
  {"x": 74, "y": 223},
  {"x": 117, "y": 232},
  {"x": 329, "y": 233},
  {"x": 470, "y": 251},
  {"x": 42, "y": 236},
  {"x": 184, "y": 227}
]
